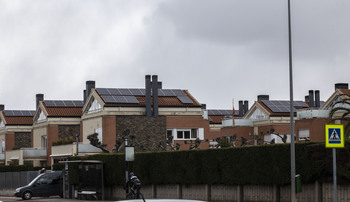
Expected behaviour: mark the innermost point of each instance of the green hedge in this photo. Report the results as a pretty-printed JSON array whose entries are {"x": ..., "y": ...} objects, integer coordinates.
[
  {"x": 264, "y": 165},
  {"x": 17, "y": 168}
]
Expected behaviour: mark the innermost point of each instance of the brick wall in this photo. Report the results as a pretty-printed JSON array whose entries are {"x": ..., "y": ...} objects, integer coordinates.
[
  {"x": 9, "y": 141},
  {"x": 109, "y": 131},
  {"x": 316, "y": 128},
  {"x": 146, "y": 133},
  {"x": 52, "y": 135}
]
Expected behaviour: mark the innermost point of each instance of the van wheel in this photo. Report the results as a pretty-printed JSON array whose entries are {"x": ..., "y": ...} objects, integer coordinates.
[{"x": 27, "y": 195}]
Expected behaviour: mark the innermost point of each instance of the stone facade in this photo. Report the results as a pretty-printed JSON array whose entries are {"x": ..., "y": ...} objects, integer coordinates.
[
  {"x": 68, "y": 131},
  {"x": 144, "y": 133},
  {"x": 23, "y": 139}
]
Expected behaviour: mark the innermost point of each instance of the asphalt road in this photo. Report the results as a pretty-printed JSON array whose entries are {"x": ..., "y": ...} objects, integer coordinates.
[{"x": 34, "y": 199}]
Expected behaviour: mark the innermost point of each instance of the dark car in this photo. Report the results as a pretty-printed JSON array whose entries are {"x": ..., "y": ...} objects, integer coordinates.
[{"x": 44, "y": 185}]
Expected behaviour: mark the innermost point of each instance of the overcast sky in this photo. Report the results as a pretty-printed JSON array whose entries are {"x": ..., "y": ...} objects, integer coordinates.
[{"x": 218, "y": 50}]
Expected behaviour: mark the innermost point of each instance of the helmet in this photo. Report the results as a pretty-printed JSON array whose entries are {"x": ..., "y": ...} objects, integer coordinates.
[{"x": 131, "y": 174}]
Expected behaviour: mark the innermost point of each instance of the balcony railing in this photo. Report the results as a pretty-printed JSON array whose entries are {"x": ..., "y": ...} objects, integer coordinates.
[
  {"x": 309, "y": 114},
  {"x": 238, "y": 122}
]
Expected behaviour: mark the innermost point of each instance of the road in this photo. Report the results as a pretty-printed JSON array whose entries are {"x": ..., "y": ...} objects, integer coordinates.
[{"x": 34, "y": 199}]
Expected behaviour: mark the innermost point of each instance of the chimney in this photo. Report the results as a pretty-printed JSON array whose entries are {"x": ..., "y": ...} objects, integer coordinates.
[
  {"x": 148, "y": 95},
  {"x": 155, "y": 95},
  {"x": 84, "y": 95},
  {"x": 341, "y": 86},
  {"x": 160, "y": 85},
  {"x": 39, "y": 97},
  {"x": 2, "y": 107},
  {"x": 311, "y": 99},
  {"x": 317, "y": 98},
  {"x": 306, "y": 98},
  {"x": 240, "y": 108},
  {"x": 245, "y": 107},
  {"x": 263, "y": 97},
  {"x": 89, "y": 86}
]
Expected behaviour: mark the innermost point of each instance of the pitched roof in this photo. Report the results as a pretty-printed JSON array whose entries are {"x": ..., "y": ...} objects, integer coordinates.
[
  {"x": 18, "y": 117},
  {"x": 137, "y": 97},
  {"x": 63, "y": 108},
  {"x": 345, "y": 91},
  {"x": 281, "y": 107}
]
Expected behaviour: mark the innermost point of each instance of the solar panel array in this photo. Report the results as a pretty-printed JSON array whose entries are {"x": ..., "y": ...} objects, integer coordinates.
[
  {"x": 128, "y": 95},
  {"x": 283, "y": 106},
  {"x": 218, "y": 112},
  {"x": 64, "y": 103},
  {"x": 19, "y": 112}
]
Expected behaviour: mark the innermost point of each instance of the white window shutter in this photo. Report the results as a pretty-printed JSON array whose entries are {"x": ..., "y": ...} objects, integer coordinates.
[{"x": 201, "y": 133}]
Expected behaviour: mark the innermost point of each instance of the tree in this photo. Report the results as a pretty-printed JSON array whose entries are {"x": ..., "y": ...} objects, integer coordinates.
[{"x": 342, "y": 108}]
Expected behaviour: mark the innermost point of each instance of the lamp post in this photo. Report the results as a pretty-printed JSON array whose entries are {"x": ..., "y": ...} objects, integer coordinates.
[{"x": 292, "y": 144}]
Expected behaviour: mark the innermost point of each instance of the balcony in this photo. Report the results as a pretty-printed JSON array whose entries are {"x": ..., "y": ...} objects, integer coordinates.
[
  {"x": 310, "y": 114},
  {"x": 23, "y": 154},
  {"x": 238, "y": 122},
  {"x": 71, "y": 150}
]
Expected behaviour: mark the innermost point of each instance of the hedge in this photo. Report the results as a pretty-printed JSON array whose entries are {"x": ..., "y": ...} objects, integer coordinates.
[{"x": 263, "y": 165}]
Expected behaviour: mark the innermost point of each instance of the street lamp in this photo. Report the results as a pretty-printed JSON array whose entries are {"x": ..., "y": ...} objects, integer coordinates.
[{"x": 292, "y": 144}]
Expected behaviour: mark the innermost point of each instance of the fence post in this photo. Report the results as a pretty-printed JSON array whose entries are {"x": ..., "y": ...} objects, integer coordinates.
[
  {"x": 240, "y": 193},
  {"x": 318, "y": 191}
]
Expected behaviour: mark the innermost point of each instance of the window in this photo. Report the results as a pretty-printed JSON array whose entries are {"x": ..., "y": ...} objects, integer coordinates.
[
  {"x": 169, "y": 133},
  {"x": 44, "y": 142},
  {"x": 2, "y": 125},
  {"x": 41, "y": 117},
  {"x": 304, "y": 135},
  {"x": 95, "y": 106},
  {"x": 186, "y": 134},
  {"x": 258, "y": 115}
]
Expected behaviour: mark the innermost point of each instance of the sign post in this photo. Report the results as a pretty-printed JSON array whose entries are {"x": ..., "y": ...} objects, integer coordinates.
[{"x": 334, "y": 139}]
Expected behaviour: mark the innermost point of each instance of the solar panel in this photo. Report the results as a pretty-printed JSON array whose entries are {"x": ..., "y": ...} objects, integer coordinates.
[
  {"x": 282, "y": 106},
  {"x": 102, "y": 91},
  {"x": 119, "y": 99},
  {"x": 108, "y": 98},
  {"x": 113, "y": 91},
  {"x": 136, "y": 92},
  {"x": 129, "y": 94},
  {"x": 64, "y": 103},
  {"x": 185, "y": 100},
  {"x": 223, "y": 112},
  {"x": 168, "y": 92},
  {"x": 19, "y": 112},
  {"x": 178, "y": 92},
  {"x": 125, "y": 91}
]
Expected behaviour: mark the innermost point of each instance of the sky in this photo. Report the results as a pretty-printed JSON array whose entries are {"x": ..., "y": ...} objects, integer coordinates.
[{"x": 220, "y": 51}]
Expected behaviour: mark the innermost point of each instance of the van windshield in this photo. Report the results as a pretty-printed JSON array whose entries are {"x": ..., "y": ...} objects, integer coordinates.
[{"x": 35, "y": 179}]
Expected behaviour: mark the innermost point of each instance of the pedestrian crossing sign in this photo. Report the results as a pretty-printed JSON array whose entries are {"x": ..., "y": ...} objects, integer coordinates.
[{"x": 334, "y": 136}]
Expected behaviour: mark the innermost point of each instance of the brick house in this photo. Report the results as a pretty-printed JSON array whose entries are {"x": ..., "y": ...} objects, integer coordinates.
[
  {"x": 55, "y": 121},
  {"x": 310, "y": 123},
  {"x": 267, "y": 120},
  {"x": 145, "y": 116},
  {"x": 15, "y": 134}
]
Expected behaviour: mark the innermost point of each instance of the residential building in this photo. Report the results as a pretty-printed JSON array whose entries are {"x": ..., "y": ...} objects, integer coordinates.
[
  {"x": 55, "y": 121},
  {"x": 265, "y": 122},
  {"x": 150, "y": 118},
  {"x": 16, "y": 136}
]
